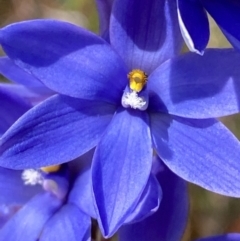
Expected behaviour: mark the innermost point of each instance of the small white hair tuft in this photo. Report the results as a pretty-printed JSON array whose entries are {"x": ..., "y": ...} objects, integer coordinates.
[
  {"x": 32, "y": 177},
  {"x": 131, "y": 99}
]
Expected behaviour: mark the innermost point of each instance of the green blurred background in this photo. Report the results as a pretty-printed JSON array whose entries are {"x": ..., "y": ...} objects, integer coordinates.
[{"x": 210, "y": 213}]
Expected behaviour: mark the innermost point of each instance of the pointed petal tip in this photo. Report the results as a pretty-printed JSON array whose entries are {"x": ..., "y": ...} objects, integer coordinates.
[
  {"x": 200, "y": 52},
  {"x": 115, "y": 205},
  {"x": 195, "y": 42},
  {"x": 187, "y": 37}
]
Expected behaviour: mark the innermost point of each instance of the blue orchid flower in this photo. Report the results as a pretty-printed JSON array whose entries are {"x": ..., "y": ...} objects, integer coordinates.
[
  {"x": 15, "y": 194},
  {"x": 29, "y": 212},
  {"x": 48, "y": 215},
  {"x": 126, "y": 99},
  {"x": 50, "y": 206},
  {"x": 194, "y": 24}
]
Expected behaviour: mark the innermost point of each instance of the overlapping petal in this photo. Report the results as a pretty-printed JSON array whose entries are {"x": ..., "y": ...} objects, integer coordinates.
[
  {"x": 226, "y": 237},
  {"x": 28, "y": 87},
  {"x": 193, "y": 22},
  {"x": 169, "y": 222},
  {"x": 235, "y": 42},
  {"x": 12, "y": 107},
  {"x": 148, "y": 203},
  {"x": 24, "y": 226},
  {"x": 58, "y": 130},
  {"x": 145, "y": 35},
  {"x": 81, "y": 194},
  {"x": 69, "y": 223},
  {"x": 104, "y": 11},
  {"x": 66, "y": 58},
  {"x": 203, "y": 152},
  {"x": 198, "y": 86},
  {"x": 32, "y": 96},
  {"x": 121, "y": 168},
  {"x": 226, "y": 14},
  {"x": 6, "y": 212},
  {"x": 12, "y": 72}
]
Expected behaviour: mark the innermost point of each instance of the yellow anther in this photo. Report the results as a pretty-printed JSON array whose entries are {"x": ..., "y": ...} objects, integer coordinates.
[
  {"x": 137, "y": 79},
  {"x": 49, "y": 169}
]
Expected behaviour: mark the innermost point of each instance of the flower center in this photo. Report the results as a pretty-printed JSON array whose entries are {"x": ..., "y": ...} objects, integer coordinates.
[
  {"x": 135, "y": 95},
  {"x": 137, "y": 79},
  {"x": 51, "y": 178},
  {"x": 131, "y": 99}
]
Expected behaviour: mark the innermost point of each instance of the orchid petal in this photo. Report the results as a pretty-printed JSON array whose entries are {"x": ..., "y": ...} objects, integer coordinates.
[
  {"x": 69, "y": 223},
  {"x": 66, "y": 58},
  {"x": 104, "y": 11},
  {"x": 152, "y": 35},
  {"x": 6, "y": 212},
  {"x": 12, "y": 188},
  {"x": 126, "y": 148},
  {"x": 12, "y": 107},
  {"x": 196, "y": 86},
  {"x": 169, "y": 222},
  {"x": 59, "y": 130},
  {"x": 24, "y": 226},
  {"x": 31, "y": 95},
  {"x": 234, "y": 41},
  {"x": 12, "y": 72},
  {"x": 203, "y": 152},
  {"x": 81, "y": 194},
  {"x": 148, "y": 203},
  {"x": 193, "y": 20}
]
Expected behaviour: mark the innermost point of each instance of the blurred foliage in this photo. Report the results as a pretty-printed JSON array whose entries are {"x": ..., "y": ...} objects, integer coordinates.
[
  {"x": 80, "y": 12},
  {"x": 209, "y": 213}
]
